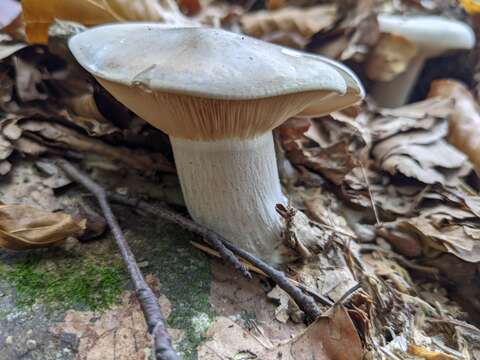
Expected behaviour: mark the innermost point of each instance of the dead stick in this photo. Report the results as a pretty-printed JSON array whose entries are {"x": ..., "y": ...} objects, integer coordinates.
[
  {"x": 304, "y": 301},
  {"x": 210, "y": 238},
  {"x": 148, "y": 300}
]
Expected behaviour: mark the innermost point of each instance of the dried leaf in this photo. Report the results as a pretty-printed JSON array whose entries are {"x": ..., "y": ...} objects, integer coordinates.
[
  {"x": 411, "y": 140},
  {"x": 464, "y": 125},
  {"x": 353, "y": 37},
  {"x": 332, "y": 337},
  {"x": 25, "y": 227},
  {"x": 120, "y": 332},
  {"x": 303, "y": 22},
  {"x": 8, "y": 46},
  {"x": 390, "y": 57},
  {"x": 56, "y": 135},
  {"x": 328, "y": 146},
  {"x": 428, "y": 354},
  {"x": 85, "y": 114},
  {"x": 38, "y": 16}
]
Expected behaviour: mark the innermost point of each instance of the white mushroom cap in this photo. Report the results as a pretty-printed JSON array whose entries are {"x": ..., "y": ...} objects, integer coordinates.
[
  {"x": 434, "y": 33},
  {"x": 207, "y": 83}
]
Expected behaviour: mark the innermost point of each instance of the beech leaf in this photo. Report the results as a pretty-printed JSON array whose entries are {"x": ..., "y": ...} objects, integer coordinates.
[{"x": 25, "y": 227}]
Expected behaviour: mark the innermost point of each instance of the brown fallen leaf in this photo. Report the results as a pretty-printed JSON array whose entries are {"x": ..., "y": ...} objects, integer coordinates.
[
  {"x": 330, "y": 146},
  {"x": 411, "y": 140},
  {"x": 25, "y": 227},
  {"x": 38, "y": 16},
  {"x": 331, "y": 337},
  {"x": 390, "y": 57},
  {"x": 426, "y": 354},
  {"x": 58, "y": 136},
  {"x": 464, "y": 125},
  {"x": 118, "y": 333},
  {"x": 353, "y": 37},
  {"x": 303, "y": 22}
]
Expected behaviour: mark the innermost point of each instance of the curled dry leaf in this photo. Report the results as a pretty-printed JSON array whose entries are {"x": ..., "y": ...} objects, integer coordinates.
[
  {"x": 328, "y": 146},
  {"x": 38, "y": 16},
  {"x": 353, "y": 37},
  {"x": 25, "y": 227},
  {"x": 464, "y": 125},
  {"x": 411, "y": 140},
  {"x": 85, "y": 113},
  {"x": 58, "y": 136},
  {"x": 331, "y": 337},
  {"x": 118, "y": 333},
  {"x": 303, "y": 22},
  {"x": 390, "y": 57}
]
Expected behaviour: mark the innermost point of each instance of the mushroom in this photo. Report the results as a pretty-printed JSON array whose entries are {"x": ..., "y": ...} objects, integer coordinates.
[
  {"x": 218, "y": 95},
  {"x": 432, "y": 36}
]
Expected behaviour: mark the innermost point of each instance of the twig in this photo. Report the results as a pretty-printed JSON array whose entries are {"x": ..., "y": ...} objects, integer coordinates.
[
  {"x": 370, "y": 193},
  {"x": 320, "y": 298},
  {"x": 304, "y": 301},
  {"x": 148, "y": 300},
  {"x": 210, "y": 237},
  {"x": 347, "y": 294}
]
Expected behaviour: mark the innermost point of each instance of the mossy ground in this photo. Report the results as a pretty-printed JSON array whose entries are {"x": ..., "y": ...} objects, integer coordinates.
[
  {"x": 80, "y": 284},
  {"x": 185, "y": 275}
]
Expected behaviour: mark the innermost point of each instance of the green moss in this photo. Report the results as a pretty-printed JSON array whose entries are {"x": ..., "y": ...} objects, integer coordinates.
[{"x": 80, "y": 284}]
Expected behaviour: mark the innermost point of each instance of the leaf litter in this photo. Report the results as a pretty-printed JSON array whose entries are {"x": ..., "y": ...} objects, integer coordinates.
[{"x": 386, "y": 199}]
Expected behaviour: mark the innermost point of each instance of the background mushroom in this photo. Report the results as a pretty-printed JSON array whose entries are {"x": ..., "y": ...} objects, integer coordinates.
[
  {"x": 218, "y": 95},
  {"x": 432, "y": 36}
]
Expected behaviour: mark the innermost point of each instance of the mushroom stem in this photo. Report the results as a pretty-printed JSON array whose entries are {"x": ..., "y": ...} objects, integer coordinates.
[
  {"x": 395, "y": 93},
  {"x": 232, "y": 186}
]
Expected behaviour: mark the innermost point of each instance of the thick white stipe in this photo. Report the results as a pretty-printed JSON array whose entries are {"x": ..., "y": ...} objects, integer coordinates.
[{"x": 232, "y": 187}]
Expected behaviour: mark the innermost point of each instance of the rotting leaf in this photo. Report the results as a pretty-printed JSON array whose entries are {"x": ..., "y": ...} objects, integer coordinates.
[
  {"x": 331, "y": 337},
  {"x": 25, "y": 227},
  {"x": 414, "y": 143},
  {"x": 38, "y": 16},
  {"x": 120, "y": 332},
  {"x": 303, "y": 22},
  {"x": 58, "y": 136},
  {"x": 464, "y": 125}
]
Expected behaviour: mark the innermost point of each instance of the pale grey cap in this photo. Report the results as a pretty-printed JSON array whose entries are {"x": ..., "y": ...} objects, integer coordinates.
[
  {"x": 201, "y": 62},
  {"x": 429, "y": 32}
]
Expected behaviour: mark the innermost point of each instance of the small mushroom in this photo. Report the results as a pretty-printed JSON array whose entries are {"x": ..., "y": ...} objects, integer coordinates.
[
  {"x": 218, "y": 95},
  {"x": 432, "y": 36}
]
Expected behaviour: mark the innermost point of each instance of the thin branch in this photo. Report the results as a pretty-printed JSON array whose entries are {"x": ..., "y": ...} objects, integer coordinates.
[
  {"x": 148, "y": 300},
  {"x": 370, "y": 193},
  {"x": 304, "y": 301},
  {"x": 210, "y": 237}
]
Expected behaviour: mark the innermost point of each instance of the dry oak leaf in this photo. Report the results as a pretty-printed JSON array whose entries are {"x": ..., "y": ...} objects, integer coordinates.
[
  {"x": 390, "y": 57},
  {"x": 25, "y": 227},
  {"x": 303, "y": 21},
  {"x": 119, "y": 333},
  {"x": 426, "y": 354},
  {"x": 411, "y": 140},
  {"x": 39, "y": 15},
  {"x": 331, "y": 337},
  {"x": 464, "y": 125}
]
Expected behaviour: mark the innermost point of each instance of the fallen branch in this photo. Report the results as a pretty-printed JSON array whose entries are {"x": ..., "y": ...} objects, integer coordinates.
[
  {"x": 210, "y": 237},
  {"x": 148, "y": 300},
  {"x": 304, "y": 301}
]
